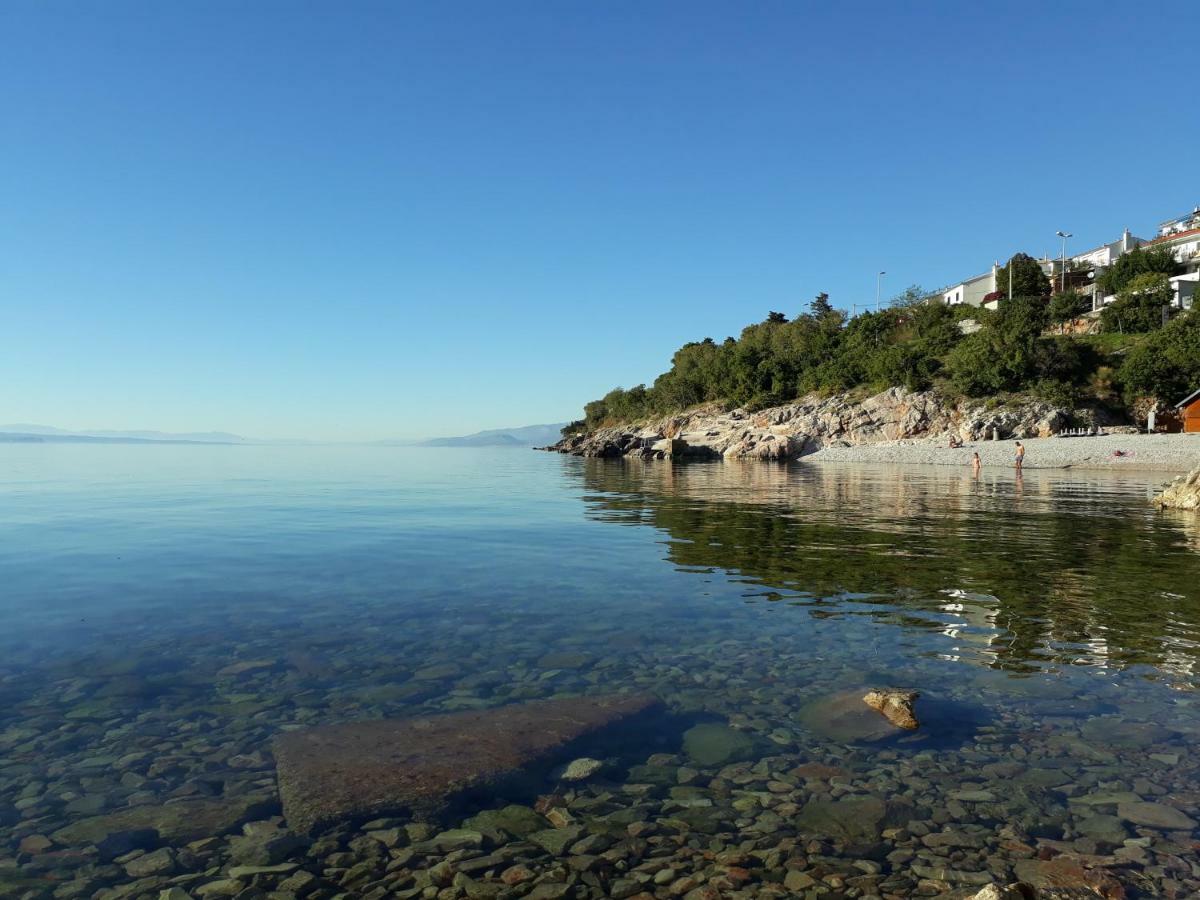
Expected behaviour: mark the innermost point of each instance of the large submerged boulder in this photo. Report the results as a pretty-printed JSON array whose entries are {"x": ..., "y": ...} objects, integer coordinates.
[
  {"x": 422, "y": 765},
  {"x": 847, "y": 718}
]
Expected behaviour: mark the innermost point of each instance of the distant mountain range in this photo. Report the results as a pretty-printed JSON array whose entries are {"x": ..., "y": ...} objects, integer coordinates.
[
  {"x": 21, "y": 432},
  {"x": 528, "y": 436},
  {"x": 26, "y": 433}
]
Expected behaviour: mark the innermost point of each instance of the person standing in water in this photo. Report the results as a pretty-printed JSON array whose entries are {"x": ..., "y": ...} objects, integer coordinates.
[
  {"x": 976, "y": 462},
  {"x": 1020, "y": 455}
]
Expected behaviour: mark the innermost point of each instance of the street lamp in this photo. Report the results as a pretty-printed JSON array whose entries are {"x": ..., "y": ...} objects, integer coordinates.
[
  {"x": 878, "y": 279},
  {"x": 1062, "y": 284}
]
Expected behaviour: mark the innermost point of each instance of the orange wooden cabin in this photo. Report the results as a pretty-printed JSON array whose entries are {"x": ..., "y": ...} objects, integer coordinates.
[{"x": 1189, "y": 412}]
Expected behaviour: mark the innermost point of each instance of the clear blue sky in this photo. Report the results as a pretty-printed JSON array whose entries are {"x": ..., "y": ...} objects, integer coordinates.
[{"x": 365, "y": 220}]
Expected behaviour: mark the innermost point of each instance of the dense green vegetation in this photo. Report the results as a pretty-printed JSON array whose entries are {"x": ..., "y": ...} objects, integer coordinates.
[
  {"x": 1139, "y": 305},
  {"x": 1155, "y": 260},
  {"x": 919, "y": 344}
]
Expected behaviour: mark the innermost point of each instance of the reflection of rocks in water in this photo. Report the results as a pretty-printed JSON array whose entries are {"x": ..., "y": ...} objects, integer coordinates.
[
  {"x": 420, "y": 765},
  {"x": 813, "y": 534}
]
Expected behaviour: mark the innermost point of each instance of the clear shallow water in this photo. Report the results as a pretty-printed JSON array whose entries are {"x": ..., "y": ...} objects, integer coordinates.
[{"x": 1052, "y": 625}]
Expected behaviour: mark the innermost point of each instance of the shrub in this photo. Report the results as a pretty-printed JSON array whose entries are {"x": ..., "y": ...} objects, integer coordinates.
[
  {"x": 1028, "y": 279},
  {"x": 1166, "y": 365},
  {"x": 1159, "y": 260},
  {"x": 1139, "y": 305},
  {"x": 1066, "y": 305}
]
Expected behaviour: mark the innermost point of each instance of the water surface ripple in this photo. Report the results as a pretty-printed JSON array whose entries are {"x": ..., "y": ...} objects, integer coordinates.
[{"x": 169, "y": 610}]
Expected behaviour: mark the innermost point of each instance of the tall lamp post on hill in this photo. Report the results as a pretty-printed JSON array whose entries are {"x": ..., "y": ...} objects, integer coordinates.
[
  {"x": 878, "y": 282},
  {"x": 1062, "y": 283}
]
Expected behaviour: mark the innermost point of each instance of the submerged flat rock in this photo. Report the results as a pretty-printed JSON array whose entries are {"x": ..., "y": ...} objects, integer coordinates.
[
  {"x": 420, "y": 765},
  {"x": 845, "y": 718},
  {"x": 185, "y": 820}
]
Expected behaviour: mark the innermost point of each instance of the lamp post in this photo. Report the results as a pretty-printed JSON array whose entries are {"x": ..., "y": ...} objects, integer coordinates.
[
  {"x": 1062, "y": 284},
  {"x": 878, "y": 280}
]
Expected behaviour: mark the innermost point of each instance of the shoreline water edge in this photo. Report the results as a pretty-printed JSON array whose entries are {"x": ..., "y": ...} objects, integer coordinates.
[{"x": 896, "y": 427}]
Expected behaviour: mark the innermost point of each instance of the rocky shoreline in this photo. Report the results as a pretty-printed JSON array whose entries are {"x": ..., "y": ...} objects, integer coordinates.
[
  {"x": 816, "y": 423},
  {"x": 896, "y": 427},
  {"x": 1182, "y": 493}
]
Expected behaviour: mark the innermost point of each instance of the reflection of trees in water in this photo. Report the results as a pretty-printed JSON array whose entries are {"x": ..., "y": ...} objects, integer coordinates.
[{"x": 1078, "y": 568}]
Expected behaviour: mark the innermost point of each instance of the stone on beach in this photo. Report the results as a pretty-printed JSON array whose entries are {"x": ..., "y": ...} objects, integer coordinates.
[
  {"x": 421, "y": 765},
  {"x": 895, "y": 705}
]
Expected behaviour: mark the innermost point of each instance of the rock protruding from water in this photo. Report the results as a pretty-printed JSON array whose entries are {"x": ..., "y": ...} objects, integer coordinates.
[
  {"x": 421, "y": 765},
  {"x": 1182, "y": 493},
  {"x": 895, "y": 705}
]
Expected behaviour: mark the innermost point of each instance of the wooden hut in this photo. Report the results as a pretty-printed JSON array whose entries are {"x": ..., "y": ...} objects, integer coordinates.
[{"x": 1189, "y": 412}]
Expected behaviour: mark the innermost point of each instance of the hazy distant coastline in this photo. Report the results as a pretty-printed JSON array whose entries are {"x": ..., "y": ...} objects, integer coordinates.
[{"x": 525, "y": 436}]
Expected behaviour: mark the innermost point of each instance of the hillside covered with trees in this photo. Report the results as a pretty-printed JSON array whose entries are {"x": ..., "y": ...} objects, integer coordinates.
[{"x": 919, "y": 344}]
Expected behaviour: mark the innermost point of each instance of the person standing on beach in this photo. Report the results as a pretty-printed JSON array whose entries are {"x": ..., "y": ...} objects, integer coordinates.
[{"x": 1020, "y": 455}]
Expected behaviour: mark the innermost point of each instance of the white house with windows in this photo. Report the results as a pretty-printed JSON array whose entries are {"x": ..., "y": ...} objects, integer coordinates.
[
  {"x": 972, "y": 291},
  {"x": 1107, "y": 254},
  {"x": 1186, "y": 288},
  {"x": 1181, "y": 234}
]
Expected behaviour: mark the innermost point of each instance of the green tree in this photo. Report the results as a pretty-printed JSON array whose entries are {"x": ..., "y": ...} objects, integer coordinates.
[
  {"x": 1166, "y": 364},
  {"x": 777, "y": 318},
  {"x": 1027, "y": 277},
  {"x": 1066, "y": 305},
  {"x": 1003, "y": 355},
  {"x": 911, "y": 296},
  {"x": 1115, "y": 278},
  {"x": 820, "y": 306},
  {"x": 1139, "y": 305}
]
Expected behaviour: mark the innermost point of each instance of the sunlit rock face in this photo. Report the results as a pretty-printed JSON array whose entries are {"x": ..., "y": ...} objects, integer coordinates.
[
  {"x": 796, "y": 429},
  {"x": 1183, "y": 492}
]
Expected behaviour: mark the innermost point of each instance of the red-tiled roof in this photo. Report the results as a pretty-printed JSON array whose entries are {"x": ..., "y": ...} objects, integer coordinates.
[{"x": 1171, "y": 237}]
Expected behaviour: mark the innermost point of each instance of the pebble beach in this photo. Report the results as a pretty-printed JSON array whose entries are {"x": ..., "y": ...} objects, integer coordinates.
[{"x": 1176, "y": 453}]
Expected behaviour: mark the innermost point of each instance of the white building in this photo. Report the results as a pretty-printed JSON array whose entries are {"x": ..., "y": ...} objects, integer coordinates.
[
  {"x": 973, "y": 290},
  {"x": 1186, "y": 287},
  {"x": 1105, "y": 254},
  {"x": 1181, "y": 234}
]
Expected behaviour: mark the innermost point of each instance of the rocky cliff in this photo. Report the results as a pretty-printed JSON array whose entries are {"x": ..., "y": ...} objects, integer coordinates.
[
  {"x": 1182, "y": 493},
  {"x": 814, "y": 422}
]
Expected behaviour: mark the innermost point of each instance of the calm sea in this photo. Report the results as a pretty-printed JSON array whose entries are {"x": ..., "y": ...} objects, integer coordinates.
[{"x": 1051, "y": 623}]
